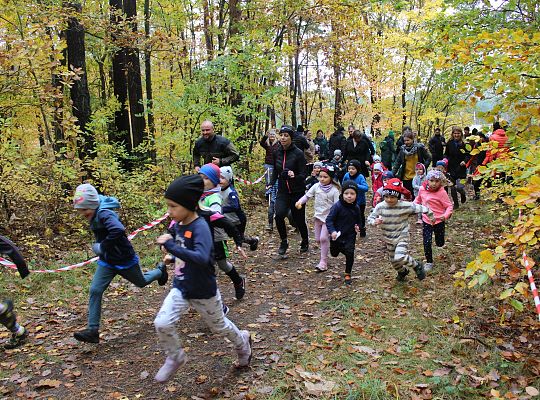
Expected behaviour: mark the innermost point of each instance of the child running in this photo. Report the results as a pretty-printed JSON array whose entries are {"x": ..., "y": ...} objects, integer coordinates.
[
  {"x": 417, "y": 182},
  {"x": 392, "y": 215},
  {"x": 376, "y": 179},
  {"x": 325, "y": 193},
  {"x": 433, "y": 195},
  {"x": 194, "y": 284},
  {"x": 7, "y": 316},
  {"x": 354, "y": 174},
  {"x": 211, "y": 199},
  {"x": 343, "y": 223},
  {"x": 231, "y": 206},
  {"x": 116, "y": 254}
]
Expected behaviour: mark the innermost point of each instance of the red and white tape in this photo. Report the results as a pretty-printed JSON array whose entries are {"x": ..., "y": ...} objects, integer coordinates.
[
  {"x": 149, "y": 225},
  {"x": 246, "y": 182},
  {"x": 534, "y": 290}
]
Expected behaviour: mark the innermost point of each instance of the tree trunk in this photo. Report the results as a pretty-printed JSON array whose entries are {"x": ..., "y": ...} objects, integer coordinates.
[
  {"x": 121, "y": 117},
  {"x": 80, "y": 95},
  {"x": 134, "y": 82},
  {"x": 207, "y": 26},
  {"x": 338, "y": 112},
  {"x": 404, "y": 92},
  {"x": 148, "y": 80}
]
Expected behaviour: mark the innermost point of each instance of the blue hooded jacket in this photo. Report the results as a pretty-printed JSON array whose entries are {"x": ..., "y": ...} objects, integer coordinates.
[
  {"x": 359, "y": 180},
  {"x": 116, "y": 250}
]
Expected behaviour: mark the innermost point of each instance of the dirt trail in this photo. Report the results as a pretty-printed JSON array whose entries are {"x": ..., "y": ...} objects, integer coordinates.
[{"x": 281, "y": 304}]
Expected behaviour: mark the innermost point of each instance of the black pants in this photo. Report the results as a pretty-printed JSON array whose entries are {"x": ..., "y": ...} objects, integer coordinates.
[
  {"x": 347, "y": 250},
  {"x": 284, "y": 204},
  {"x": 362, "y": 216},
  {"x": 407, "y": 184},
  {"x": 456, "y": 188},
  {"x": 428, "y": 231},
  {"x": 476, "y": 184}
]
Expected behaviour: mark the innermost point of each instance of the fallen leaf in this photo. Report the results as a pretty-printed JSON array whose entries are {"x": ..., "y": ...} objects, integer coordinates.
[
  {"x": 317, "y": 389},
  {"x": 532, "y": 391},
  {"x": 48, "y": 383}
]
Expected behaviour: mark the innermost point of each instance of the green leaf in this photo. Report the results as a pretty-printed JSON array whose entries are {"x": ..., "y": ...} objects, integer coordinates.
[
  {"x": 507, "y": 293},
  {"x": 518, "y": 305}
]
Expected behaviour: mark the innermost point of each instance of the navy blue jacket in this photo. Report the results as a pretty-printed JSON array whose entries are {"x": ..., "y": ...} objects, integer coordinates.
[
  {"x": 193, "y": 244},
  {"x": 342, "y": 218},
  {"x": 116, "y": 249}
]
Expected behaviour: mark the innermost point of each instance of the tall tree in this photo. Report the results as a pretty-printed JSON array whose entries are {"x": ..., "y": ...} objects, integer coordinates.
[{"x": 79, "y": 93}]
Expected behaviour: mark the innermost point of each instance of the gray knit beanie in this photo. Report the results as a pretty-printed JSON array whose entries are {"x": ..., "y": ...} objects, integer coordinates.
[{"x": 86, "y": 196}]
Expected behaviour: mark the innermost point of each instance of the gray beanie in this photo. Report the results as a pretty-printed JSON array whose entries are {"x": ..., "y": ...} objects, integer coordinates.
[{"x": 86, "y": 197}]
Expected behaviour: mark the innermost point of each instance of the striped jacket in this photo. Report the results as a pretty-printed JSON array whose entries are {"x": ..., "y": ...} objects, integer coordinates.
[{"x": 395, "y": 225}]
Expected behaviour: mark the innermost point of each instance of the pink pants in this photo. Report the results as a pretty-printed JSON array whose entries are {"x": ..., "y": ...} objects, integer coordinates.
[{"x": 322, "y": 237}]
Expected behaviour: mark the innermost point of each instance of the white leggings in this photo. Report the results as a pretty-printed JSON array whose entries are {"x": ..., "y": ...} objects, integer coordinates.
[{"x": 211, "y": 311}]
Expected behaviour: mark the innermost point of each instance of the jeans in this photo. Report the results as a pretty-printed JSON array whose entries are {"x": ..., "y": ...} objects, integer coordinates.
[
  {"x": 103, "y": 278},
  {"x": 428, "y": 231}
]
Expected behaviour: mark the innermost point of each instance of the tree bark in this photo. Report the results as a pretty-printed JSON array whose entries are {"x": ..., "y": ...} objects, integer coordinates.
[
  {"x": 148, "y": 80},
  {"x": 121, "y": 117},
  {"x": 134, "y": 82},
  {"x": 80, "y": 95}
]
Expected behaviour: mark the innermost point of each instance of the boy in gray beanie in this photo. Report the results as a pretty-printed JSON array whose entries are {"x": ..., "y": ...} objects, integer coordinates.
[{"x": 116, "y": 254}]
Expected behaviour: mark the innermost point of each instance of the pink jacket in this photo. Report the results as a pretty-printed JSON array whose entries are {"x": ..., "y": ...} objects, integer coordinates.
[{"x": 438, "y": 202}]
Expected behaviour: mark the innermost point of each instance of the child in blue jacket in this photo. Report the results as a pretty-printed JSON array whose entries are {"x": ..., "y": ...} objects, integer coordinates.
[
  {"x": 354, "y": 174},
  {"x": 116, "y": 254}
]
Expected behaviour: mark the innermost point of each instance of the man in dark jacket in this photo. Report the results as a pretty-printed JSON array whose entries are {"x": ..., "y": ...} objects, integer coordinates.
[
  {"x": 388, "y": 150},
  {"x": 213, "y": 148},
  {"x": 337, "y": 141},
  {"x": 436, "y": 147}
]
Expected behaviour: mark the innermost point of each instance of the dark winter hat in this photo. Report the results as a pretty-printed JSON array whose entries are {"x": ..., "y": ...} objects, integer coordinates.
[
  {"x": 391, "y": 134},
  {"x": 86, "y": 197},
  {"x": 356, "y": 164},
  {"x": 443, "y": 163},
  {"x": 387, "y": 175},
  {"x": 393, "y": 187},
  {"x": 212, "y": 172},
  {"x": 186, "y": 191},
  {"x": 299, "y": 128},
  {"x": 349, "y": 185},
  {"x": 288, "y": 130}
]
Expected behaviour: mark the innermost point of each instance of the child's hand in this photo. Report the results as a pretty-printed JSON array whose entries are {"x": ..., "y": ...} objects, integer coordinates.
[
  {"x": 291, "y": 174},
  {"x": 367, "y": 163},
  {"x": 241, "y": 251},
  {"x": 168, "y": 259},
  {"x": 334, "y": 235},
  {"x": 298, "y": 205},
  {"x": 163, "y": 238},
  {"x": 357, "y": 228},
  {"x": 442, "y": 219},
  {"x": 378, "y": 221}
]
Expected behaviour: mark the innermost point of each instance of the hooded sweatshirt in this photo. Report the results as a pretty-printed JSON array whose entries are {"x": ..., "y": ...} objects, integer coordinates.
[
  {"x": 437, "y": 201},
  {"x": 116, "y": 250}
]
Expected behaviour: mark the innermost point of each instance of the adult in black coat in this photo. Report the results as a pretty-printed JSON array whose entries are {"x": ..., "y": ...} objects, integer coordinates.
[
  {"x": 436, "y": 147},
  {"x": 458, "y": 155},
  {"x": 213, "y": 148},
  {"x": 337, "y": 141},
  {"x": 290, "y": 173},
  {"x": 359, "y": 149}
]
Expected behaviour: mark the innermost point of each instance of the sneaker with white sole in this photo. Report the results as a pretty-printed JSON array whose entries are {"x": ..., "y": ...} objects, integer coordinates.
[
  {"x": 320, "y": 267},
  {"x": 428, "y": 267},
  {"x": 170, "y": 367},
  {"x": 244, "y": 352}
]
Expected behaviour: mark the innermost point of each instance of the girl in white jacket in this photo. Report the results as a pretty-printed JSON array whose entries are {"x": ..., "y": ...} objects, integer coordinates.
[{"x": 326, "y": 193}]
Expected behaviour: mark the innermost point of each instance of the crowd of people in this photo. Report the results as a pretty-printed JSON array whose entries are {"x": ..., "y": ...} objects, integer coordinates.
[{"x": 338, "y": 175}]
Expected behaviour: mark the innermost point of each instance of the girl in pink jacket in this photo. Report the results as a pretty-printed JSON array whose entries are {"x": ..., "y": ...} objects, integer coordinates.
[{"x": 433, "y": 195}]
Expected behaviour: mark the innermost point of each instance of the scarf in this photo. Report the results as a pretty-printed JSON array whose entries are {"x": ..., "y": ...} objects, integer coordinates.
[
  {"x": 326, "y": 188},
  {"x": 411, "y": 150},
  {"x": 207, "y": 193}
]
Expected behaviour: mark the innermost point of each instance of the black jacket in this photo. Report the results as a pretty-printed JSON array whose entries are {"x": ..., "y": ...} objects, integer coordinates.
[
  {"x": 219, "y": 147},
  {"x": 360, "y": 152},
  {"x": 291, "y": 159},
  {"x": 342, "y": 218},
  {"x": 436, "y": 147},
  {"x": 456, "y": 152},
  {"x": 337, "y": 142}
]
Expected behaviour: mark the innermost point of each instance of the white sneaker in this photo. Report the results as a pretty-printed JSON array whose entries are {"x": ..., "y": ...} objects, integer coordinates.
[
  {"x": 428, "y": 267},
  {"x": 170, "y": 367},
  {"x": 245, "y": 352}
]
